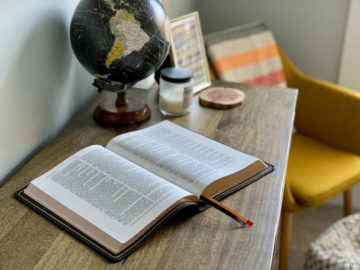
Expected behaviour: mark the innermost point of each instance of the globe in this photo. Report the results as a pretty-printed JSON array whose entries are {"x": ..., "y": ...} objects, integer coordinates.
[{"x": 120, "y": 41}]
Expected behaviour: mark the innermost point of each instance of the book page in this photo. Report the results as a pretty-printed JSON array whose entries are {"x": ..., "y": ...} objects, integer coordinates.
[
  {"x": 179, "y": 155},
  {"x": 109, "y": 191}
]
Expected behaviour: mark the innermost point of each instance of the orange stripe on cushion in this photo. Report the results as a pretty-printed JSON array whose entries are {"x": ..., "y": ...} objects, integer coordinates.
[
  {"x": 233, "y": 61},
  {"x": 273, "y": 78}
]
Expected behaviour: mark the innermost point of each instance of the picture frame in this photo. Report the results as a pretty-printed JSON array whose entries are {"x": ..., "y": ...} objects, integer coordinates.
[{"x": 187, "y": 48}]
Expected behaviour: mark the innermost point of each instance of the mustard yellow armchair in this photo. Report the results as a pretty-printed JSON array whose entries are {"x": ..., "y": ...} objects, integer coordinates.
[
  {"x": 324, "y": 155},
  {"x": 325, "y": 150}
]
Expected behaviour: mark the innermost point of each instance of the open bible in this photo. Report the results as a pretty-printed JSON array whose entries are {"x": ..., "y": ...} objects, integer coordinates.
[{"x": 113, "y": 198}]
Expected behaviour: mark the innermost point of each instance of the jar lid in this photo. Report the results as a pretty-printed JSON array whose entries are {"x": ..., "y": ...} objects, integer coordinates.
[{"x": 176, "y": 74}]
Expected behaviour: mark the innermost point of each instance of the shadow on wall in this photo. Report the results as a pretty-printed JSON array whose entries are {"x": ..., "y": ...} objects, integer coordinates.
[
  {"x": 38, "y": 73},
  {"x": 37, "y": 94}
]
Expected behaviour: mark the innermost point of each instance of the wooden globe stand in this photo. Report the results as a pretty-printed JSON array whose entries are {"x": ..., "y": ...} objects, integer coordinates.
[{"x": 123, "y": 111}]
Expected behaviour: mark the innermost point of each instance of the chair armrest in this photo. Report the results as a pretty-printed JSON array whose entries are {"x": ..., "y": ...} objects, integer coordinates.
[{"x": 325, "y": 111}]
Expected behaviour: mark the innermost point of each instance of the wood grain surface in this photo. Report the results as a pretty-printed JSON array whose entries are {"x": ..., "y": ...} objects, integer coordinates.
[{"x": 262, "y": 126}]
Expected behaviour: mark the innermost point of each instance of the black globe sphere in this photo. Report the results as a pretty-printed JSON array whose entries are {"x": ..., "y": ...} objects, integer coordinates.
[{"x": 120, "y": 41}]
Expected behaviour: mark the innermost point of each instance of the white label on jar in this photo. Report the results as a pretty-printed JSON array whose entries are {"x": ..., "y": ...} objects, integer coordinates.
[{"x": 188, "y": 94}]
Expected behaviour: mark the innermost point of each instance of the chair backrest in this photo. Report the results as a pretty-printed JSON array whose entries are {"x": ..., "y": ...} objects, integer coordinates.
[{"x": 247, "y": 54}]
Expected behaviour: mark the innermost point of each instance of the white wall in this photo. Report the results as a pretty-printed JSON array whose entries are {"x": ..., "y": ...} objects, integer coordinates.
[
  {"x": 350, "y": 65},
  {"x": 41, "y": 84},
  {"x": 310, "y": 32},
  {"x": 177, "y": 8}
]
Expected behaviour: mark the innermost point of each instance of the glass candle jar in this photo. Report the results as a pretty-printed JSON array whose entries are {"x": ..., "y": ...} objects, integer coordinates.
[{"x": 176, "y": 91}]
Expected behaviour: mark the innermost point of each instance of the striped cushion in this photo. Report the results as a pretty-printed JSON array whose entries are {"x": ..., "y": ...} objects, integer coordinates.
[{"x": 247, "y": 54}]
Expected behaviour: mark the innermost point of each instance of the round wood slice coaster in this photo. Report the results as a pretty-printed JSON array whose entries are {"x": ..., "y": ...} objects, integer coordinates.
[{"x": 221, "y": 98}]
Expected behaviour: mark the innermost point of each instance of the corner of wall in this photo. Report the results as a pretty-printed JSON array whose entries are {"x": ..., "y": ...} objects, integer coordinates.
[{"x": 41, "y": 83}]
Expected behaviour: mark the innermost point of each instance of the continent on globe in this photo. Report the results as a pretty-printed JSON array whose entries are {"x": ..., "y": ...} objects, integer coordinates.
[{"x": 129, "y": 35}]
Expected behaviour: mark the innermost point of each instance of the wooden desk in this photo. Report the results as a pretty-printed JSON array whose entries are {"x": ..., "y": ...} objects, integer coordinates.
[{"x": 262, "y": 127}]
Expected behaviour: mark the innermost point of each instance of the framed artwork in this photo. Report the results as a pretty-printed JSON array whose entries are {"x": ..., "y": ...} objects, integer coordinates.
[{"x": 187, "y": 48}]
